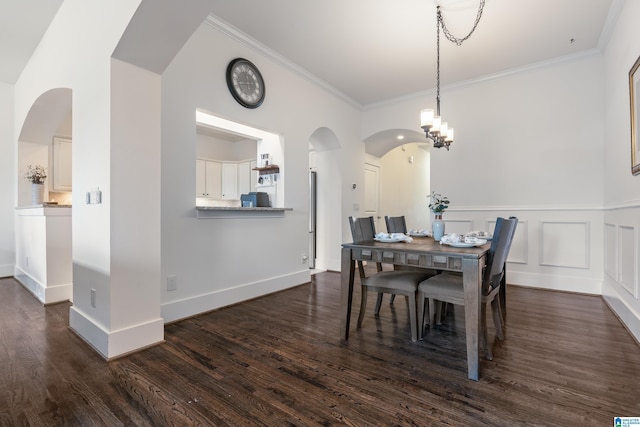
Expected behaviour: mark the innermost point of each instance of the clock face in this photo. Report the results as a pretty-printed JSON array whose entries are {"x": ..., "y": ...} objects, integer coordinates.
[{"x": 245, "y": 83}]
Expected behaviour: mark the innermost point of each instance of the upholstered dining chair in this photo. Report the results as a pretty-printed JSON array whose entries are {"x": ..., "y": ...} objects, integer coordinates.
[
  {"x": 448, "y": 287},
  {"x": 401, "y": 282}
]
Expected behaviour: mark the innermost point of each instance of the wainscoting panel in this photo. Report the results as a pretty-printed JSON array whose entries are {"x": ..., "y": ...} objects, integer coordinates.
[
  {"x": 564, "y": 243},
  {"x": 518, "y": 253},
  {"x": 611, "y": 251},
  {"x": 627, "y": 257}
]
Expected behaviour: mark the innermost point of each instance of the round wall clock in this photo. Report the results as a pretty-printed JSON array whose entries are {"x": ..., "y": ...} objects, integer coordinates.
[{"x": 245, "y": 83}]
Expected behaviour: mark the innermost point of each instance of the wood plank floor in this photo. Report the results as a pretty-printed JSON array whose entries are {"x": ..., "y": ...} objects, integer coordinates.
[{"x": 278, "y": 361}]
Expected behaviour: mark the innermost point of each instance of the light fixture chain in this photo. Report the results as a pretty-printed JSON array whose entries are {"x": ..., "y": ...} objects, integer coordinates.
[{"x": 450, "y": 36}]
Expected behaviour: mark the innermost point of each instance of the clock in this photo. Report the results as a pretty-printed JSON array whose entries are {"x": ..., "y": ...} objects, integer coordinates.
[{"x": 245, "y": 83}]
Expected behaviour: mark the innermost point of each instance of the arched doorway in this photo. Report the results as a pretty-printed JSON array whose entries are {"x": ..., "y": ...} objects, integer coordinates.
[
  {"x": 43, "y": 236},
  {"x": 404, "y": 174},
  {"x": 324, "y": 163}
]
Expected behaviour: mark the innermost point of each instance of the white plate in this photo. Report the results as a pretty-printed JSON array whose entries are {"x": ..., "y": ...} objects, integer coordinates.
[
  {"x": 419, "y": 234},
  {"x": 480, "y": 242},
  {"x": 387, "y": 239}
]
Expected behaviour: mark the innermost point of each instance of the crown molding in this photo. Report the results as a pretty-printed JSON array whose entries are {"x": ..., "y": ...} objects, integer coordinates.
[
  {"x": 246, "y": 40},
  {"x": 488, "y": 77}
]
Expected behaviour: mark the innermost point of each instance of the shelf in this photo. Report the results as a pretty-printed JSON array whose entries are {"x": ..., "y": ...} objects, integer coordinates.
[{"x": 268, "y": 170}]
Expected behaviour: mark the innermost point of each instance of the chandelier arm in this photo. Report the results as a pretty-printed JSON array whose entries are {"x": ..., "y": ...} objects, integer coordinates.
[{"x": 450, "y": 36}]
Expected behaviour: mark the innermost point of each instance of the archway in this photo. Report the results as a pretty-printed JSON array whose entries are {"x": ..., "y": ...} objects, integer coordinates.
[
  {"x": 403, "y": 158},
  {"x": 324, "y": 161},
  {"x": 45, "y": 140}
]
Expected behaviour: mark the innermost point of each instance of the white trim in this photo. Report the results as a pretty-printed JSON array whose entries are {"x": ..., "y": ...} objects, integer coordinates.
[
  {"x": 627, "y": 316},
  {"x": 176, "y": 310},
  {"x": 556, "y": 282},
  {"x": 115, "y": 343},
  {"x": 45, "y": 294}
]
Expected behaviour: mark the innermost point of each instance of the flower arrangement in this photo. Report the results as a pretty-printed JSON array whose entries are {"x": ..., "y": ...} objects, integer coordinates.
[
  {"x": 36, "y": 174},
  {"x": 438, "y": 202}
]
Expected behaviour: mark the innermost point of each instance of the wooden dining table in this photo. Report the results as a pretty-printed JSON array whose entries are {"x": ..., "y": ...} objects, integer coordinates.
[{"x": 422, "y": 252}]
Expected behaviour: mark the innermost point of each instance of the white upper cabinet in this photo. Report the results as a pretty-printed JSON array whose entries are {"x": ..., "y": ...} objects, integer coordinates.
[
  {"x": 61, "y": 173},
  {"x": 230, "y": 181},
  {"x": 208, "y": 179}
]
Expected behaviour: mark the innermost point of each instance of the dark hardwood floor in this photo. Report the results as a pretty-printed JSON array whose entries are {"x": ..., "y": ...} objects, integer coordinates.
[{"x": 278, "y": 361}]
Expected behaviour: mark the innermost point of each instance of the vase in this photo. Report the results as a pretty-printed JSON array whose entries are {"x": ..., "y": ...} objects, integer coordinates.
[
  {"x": 37, "y": 194},
  {"x": 437, "y": 227}
]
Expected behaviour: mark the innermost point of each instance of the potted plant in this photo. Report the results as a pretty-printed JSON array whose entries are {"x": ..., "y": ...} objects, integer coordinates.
[
  {"x": 36, "y": 174},
  {"x": 438, "y": 205}
]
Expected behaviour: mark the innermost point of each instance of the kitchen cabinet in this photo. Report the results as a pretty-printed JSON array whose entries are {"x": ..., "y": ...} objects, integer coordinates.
[
  {"x": 61, "y": 173},
  {"x": 208, "y": 179},
  {"x": 247, "y": 177},
  {"x": 230, "y": 181},
  {"x": 225, "y": 180}
]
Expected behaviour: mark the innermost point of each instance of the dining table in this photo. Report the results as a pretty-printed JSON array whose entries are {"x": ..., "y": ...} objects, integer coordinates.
[{"x": 423, "y": 252}]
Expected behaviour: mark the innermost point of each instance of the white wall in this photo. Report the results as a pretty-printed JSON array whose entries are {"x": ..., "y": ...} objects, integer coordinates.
[
  {"x": 621, "y": 188},
  {"x": 221, "y": 261},
  {"x": 76, "y": 53},
  {"x": 8, "y": 177},
  {"x": 528, "y": 144}
]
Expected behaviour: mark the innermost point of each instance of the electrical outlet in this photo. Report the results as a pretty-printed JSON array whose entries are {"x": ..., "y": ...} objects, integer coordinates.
[
  {"x": 172, "y": 283},
  {"x": 305, "y": 258},
  {"x": 93, "y": 298}
]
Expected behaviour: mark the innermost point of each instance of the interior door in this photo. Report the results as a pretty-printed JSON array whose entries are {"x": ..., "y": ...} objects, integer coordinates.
[{"x": 372, "y": 192}]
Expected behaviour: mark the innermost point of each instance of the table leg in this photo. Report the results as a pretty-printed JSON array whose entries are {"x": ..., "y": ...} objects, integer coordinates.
[
  {"x": 347, "y": 273},
  {"x": 471, "y": 278}
]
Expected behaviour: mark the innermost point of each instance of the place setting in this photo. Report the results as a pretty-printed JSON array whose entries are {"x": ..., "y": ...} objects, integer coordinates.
[
  {"x": 465, "y": 240},
  {"x": 392, "y": 238}
]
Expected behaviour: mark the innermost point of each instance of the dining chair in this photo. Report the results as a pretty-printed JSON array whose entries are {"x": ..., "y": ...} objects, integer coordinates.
[
  {"x": 448, "y": 287},
  {"x": 401, "y": 282},
  {"x": 396, "y": 224}
]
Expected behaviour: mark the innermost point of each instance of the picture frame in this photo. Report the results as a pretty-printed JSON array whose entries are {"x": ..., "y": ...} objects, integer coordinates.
[{"x": 634, "y": 103}]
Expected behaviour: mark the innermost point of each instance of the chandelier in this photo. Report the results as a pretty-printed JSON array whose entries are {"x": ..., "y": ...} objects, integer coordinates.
[{"x": 431, "y": 122}]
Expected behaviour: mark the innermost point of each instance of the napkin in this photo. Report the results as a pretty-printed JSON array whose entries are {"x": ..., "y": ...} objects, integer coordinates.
[
  {"x": 450, "y": 238},
  {"x": 399, "y": 236},
  {"x": 479, "y": 234}
]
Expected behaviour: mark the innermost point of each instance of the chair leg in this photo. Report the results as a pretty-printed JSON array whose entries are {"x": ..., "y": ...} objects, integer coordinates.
[
  {"x": 484, "y": 338},
  {"x": 378, "y": 303},
  {"x": 413, "y": 321},
  {"x": 432, "y": 309},
  {"x": 497, "y": 318},
  {"x": 363, "y": 305},
  {"x": 421, "y": 304},
  {"x": 438, "y": 310},
  {"x": 393, "y": 297}
]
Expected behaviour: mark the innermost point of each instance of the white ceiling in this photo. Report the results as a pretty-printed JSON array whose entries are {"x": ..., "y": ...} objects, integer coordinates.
[{"x": 367, "y": 50}]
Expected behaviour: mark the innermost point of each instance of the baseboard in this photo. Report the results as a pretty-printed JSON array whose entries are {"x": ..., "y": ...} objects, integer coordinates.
[
  {"x": 6, "y": 270},
  {"x": 111, "y": 345},
  {"x": 627, "y": 317},
  {"x": 175, "y": 310},
  {"x": 556, "y": 282},
  {"x": 44, "y": 294}
]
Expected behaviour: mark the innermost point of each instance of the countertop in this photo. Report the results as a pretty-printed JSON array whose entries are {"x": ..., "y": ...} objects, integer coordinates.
[{"x": 44, "y": 205}]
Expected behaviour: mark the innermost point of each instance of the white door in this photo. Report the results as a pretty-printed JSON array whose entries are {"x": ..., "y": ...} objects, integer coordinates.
[{"x": 372, "y": 192}]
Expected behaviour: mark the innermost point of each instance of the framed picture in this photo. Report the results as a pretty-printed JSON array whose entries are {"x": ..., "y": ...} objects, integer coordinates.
[{"x": 634, "y": 98}]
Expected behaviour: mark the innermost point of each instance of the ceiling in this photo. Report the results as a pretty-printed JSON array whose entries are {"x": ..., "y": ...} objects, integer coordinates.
[{"x": 368, "y": 51}]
